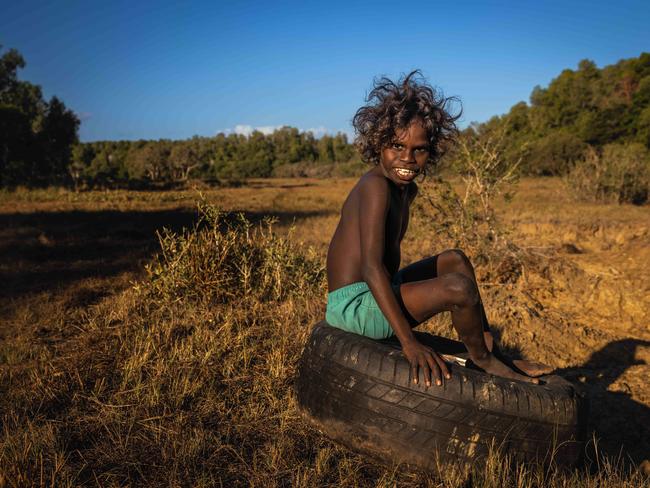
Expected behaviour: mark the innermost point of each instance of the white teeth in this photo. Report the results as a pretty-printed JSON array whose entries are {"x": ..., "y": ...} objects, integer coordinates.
[{"x": 404, "y": 172}]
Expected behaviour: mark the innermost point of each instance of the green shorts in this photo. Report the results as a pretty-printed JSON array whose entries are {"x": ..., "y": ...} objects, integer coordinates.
[{"x": 353, "y": 308}]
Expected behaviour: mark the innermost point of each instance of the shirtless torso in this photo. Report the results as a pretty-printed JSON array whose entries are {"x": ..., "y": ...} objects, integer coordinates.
[{"x": 344, "y": 257}]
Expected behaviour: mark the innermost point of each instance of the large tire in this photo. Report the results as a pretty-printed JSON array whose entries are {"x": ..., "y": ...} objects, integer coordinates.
[{"x": 357, "y": 391}]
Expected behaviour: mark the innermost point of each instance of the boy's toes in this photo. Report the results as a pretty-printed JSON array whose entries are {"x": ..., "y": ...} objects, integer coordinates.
[
  {"x": 527, "y": 379},
  {"x": 532, "y": 368}
]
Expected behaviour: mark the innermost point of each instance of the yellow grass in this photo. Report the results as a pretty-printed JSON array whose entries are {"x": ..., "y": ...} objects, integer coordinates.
[{"x": 124, "y": 365}]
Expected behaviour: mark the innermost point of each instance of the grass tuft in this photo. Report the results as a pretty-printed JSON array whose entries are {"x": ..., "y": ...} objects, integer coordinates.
[{"x": 221, "y": 261}]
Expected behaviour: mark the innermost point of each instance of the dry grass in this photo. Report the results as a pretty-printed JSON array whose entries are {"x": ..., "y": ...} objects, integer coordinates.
[{"x": 179, "y": 373}]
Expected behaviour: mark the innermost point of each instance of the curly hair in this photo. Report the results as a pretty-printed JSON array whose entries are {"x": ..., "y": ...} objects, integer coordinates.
[{"x": 393, "y": 106}]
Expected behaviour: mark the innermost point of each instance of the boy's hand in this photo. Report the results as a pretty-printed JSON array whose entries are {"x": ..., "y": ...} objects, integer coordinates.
[{"x": 421, "y": 356}]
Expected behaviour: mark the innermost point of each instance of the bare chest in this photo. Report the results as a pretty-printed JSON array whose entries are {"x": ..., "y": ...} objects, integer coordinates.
[{"x": 396, "y": 225}]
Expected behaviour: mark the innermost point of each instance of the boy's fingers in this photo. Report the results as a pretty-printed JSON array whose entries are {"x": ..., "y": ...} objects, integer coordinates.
[
  {"x": 443, "y": 367},
  {"x": 427, "y": 372},
  {"x": 436, "y": 370},
  {"x": 414, "y": 372}
]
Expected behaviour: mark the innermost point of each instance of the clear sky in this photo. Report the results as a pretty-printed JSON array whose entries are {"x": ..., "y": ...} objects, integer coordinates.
[{"x": 175, "y": 69}]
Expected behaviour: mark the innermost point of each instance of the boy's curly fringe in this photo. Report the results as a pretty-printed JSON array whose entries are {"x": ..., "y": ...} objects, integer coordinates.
[{"x": 392, "y": 106}]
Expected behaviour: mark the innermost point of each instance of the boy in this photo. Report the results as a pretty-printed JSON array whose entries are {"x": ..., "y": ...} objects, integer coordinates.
[{"x": 403, "y": 128}]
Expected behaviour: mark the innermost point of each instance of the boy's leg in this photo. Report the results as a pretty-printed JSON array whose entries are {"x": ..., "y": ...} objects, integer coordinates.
[
  {"x": 449, "y": 261},
  {"x": 455, "y": 261},
  {"x": 458, "y": 294}
]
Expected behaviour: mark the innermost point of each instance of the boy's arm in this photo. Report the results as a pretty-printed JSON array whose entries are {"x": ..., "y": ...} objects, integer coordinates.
[{"x": 374, "y": 197}]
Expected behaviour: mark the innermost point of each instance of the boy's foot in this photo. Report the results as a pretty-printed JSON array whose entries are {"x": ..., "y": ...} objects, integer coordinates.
[
  {"x": 532, "y": 368},
  {"x": 492, "y": 365}
]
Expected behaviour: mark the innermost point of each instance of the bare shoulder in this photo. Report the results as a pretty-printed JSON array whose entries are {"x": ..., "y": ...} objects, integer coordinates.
[{"x": 373, "y": 186}]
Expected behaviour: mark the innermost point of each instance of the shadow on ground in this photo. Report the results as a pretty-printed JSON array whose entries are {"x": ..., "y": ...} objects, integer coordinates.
[
  {"x": 46, "y": 251},
  {"x": 620, "y": 423}
]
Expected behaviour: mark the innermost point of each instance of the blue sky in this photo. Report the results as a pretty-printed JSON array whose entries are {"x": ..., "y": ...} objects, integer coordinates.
[{"x": 175, "y": 69}]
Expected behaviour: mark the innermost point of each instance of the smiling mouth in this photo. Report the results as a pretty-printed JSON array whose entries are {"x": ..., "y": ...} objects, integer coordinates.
[{"x": 406, "y": 173}]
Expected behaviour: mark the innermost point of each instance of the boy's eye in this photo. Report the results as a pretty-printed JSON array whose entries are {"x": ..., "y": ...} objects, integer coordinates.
[{"x": 396, "y": 145}]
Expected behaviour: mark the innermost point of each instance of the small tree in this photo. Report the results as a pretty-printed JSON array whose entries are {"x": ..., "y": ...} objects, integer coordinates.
[
  {"x": 151, "y": 161},
  {"x": 56, "y": 135},
  {"x": 183, "y": 158},
  {"x": 487, "y": 173}
]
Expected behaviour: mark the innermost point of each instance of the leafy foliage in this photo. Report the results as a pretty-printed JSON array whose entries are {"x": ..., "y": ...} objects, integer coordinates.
[
  {"x": 285, "y": 152},
  {"x": 36, "y": 136},
  {"x": 580, "y": 108},
  {"x": 589, "y": 107}
]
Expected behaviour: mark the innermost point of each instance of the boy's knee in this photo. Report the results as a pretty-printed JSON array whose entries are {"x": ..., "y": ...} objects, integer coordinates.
[
  {"x": 462, "y": 290},
  {"x": 456, "y": 257}
]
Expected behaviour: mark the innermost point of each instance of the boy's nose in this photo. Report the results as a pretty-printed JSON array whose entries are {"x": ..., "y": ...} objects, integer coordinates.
[{"x": 407, "y": 156}]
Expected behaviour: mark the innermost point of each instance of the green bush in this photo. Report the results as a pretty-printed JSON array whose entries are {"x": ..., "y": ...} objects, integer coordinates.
[
  {"x": 554, "y": 154},
  {"x": 617, "y": 174}
]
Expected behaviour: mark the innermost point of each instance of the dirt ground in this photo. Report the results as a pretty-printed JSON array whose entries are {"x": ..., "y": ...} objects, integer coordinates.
[{"x": 587, "y": 306}]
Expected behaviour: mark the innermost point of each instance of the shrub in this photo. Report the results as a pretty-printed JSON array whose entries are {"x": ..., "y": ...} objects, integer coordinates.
[
  {"x": 619, "y": 173},
  {"x": 480, "y": 158},
  {"x": 221, "y": 260},
  {"x": 466, "y": 226}
]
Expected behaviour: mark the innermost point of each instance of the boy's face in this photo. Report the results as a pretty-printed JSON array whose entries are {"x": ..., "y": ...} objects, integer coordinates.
[{"x": 404, "y": 158}]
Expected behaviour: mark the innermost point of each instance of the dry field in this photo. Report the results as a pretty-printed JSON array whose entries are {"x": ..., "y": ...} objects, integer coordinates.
[{"x": 118, "y": 368}]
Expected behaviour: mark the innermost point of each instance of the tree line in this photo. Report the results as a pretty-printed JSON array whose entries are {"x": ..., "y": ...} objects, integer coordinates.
[
  {"x": 581, "y": 112},
  {"x": 39, "y": 146},
  {"x": 232, "y": 156}
]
